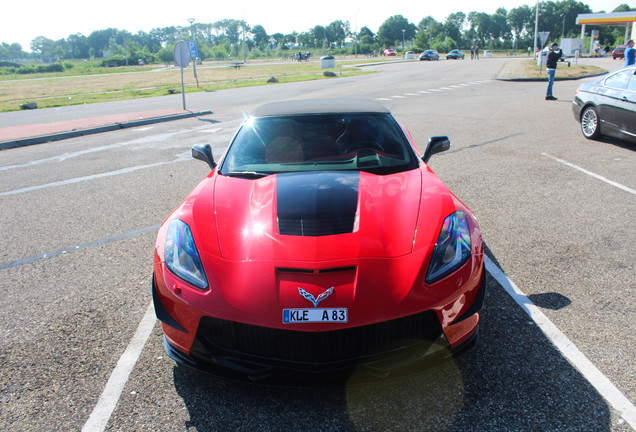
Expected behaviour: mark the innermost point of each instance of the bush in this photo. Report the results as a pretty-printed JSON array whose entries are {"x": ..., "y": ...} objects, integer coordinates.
[
  {"x": 7, "y": 70},
  {"x": 48, "y": 68},
  {"x": 218, "y": 53},
  {"x": 7, "y": 64},
  {"x": 53, "y": 67},
  {"x": 114, "y": 60}
]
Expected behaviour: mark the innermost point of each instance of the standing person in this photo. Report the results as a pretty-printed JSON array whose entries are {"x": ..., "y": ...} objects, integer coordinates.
[
  {"x": 477, "y": 52},
  {"x": 472, "y": 52},
  {"x": 630, "y": 53},
  {"x": 550, "y": 66}
]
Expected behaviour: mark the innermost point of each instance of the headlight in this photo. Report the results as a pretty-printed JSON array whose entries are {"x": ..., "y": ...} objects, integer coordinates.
[
  {"x": 182, "y": 257},
  {"x": 452, "y": 248}
]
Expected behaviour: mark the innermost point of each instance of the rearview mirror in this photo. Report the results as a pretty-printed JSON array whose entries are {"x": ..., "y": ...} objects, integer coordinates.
[
  {"x": 436, "y": 144},
  {"x": 203, "y": 152}
]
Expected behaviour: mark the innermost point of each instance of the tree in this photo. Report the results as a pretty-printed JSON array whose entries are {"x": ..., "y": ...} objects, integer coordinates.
[
  {"x": 43, "y": 47},
  {"x": 319, "y": 34},
  {"x": 500, "y": 29},
  {"x": 260, "y": 36},
  {"x": 428, "y": 31},
  {"x": 337, "y": 31},
  {"x": 453, "y": 25},
  {"x": 366, "y": 36},
  {"x": 13, "y": 51},
  {"x": 77, "y": 46},
  {"x": 520, "y": 20},
  {"x": 390, "y": 32},
  {"x": 365, "y": 31},
  {"x": 279, "y": 39},
  {"x": 623, "y": 8}
]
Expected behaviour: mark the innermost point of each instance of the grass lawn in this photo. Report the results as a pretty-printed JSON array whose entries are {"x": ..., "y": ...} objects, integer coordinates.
[
  {"x": 53, "y": 90},
  {"x": 563, "y": 71}
]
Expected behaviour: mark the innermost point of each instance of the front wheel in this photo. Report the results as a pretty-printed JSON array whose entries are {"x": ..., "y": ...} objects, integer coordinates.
[{"x": 590, "y": 123}]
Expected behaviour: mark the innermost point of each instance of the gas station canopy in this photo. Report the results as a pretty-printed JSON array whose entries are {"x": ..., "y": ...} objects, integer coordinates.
[{"x": 628, "y": 19}]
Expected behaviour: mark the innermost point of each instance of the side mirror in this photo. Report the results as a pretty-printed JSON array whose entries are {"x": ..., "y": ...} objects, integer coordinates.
[
  {"x": 436, "y": 144},
  {"x": 203, "y": 152}
]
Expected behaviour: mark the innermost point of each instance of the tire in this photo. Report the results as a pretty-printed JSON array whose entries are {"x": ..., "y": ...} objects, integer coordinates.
[{"x": 590, "y": 125}]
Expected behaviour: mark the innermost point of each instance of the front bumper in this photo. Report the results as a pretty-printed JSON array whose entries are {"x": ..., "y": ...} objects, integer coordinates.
[{"x": 379, "y": 350}]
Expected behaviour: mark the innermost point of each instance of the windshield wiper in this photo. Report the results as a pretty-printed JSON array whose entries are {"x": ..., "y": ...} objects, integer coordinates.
[{"x": 248, "y": 174}]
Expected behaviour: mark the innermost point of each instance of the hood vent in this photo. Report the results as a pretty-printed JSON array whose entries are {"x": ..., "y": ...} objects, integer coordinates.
[{"x": 317, "y": 203}]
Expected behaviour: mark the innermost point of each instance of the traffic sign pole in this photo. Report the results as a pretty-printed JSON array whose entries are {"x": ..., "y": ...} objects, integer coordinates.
[
  {"x": 194, "y": 54},
  {"x": 182, "y": 58}
]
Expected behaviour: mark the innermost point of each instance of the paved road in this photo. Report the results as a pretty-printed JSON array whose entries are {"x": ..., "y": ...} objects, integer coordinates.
[{"x": 79, "y": 218}]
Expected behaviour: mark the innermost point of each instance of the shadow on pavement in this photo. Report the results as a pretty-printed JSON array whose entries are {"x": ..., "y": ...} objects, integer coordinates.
[{"x": 514, "y": 379}]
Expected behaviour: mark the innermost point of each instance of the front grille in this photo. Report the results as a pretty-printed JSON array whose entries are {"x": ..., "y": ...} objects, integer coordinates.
[{"x": 268, "y": 345}]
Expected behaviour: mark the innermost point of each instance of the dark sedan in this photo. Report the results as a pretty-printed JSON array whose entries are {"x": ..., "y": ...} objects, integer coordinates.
[
  {"x": 607, "y": 106},
  {"x": 455, "y": 55},
  {"x": 429, "y": 55}
]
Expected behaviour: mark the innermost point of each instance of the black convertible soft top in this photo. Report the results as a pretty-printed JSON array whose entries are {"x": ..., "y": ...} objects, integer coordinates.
[{"x": 319, "y": 106}]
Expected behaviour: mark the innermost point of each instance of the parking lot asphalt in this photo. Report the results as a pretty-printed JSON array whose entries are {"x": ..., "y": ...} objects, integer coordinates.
[{"x": 79, "y": 220}]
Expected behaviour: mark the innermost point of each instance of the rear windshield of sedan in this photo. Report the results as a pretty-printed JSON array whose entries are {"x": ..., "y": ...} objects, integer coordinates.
[{"x": 319, "y": 142}]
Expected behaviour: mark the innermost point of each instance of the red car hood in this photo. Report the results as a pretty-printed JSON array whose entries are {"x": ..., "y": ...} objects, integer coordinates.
[
  {"x": 260, "y": 270},
  {"x": 319, "y": 216}
]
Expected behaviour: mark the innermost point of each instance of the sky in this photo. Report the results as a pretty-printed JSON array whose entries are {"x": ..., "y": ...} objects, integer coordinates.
[{"x": 24, "y": 20}]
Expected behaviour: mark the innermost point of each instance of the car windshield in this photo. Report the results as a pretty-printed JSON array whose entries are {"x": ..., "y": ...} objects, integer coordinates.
[{"x": 319, "y": 142}]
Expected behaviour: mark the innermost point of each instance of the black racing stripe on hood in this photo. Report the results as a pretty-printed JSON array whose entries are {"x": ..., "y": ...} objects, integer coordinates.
[{"x": 317, "y": 203}]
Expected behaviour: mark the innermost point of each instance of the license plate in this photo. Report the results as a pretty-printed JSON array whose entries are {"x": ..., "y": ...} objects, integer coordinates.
[{"x": 314, "y": 315}]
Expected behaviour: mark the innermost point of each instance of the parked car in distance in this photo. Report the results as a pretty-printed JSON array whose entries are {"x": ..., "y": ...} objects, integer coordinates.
[
  {"x": 390, "y": 52},
  {"x": 487, "y": 53},
  {"x": 429, "y": 55},
  {"x": 455, "y": 55},
  {"x": 619, "y": 52},
  {"x": 607, "y": 106},
  {"x": 410, "y": 55}
]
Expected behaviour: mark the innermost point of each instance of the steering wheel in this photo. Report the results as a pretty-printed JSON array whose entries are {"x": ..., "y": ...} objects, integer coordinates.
[{"x": 372, "y": 145}]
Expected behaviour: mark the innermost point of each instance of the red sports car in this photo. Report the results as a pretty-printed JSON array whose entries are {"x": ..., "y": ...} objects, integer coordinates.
[{"x": 322, "y": 243}]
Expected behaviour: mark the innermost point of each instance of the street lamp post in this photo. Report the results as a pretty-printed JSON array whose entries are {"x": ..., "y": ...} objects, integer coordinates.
[
  {"x": 194, "y": 61},
  {"x": 536, "y": 28},
  {"x": 563, "y": 28},
  {"x": 403, "y": 50}
]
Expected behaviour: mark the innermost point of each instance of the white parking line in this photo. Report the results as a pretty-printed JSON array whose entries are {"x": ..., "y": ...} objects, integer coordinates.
[
  {"x": 591, "y": 373},
  {"x": 86, "y": 178},
  {"x": 115, "y": 385},
  {"x": 591, "y": 174}
]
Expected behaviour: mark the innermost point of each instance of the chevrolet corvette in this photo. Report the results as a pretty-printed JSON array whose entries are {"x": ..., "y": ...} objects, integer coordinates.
[{"x": 320, "y": 244}]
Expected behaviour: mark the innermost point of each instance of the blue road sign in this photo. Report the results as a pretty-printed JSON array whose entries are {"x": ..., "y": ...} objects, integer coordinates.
[{"x": 194, "y": 53}]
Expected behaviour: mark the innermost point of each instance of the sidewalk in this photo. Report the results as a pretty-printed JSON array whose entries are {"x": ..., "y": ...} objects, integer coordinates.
[{"x": 18, "y": 136}]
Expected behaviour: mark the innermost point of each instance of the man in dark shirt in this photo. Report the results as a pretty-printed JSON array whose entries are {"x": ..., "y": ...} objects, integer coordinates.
[
  {"x": 630, "y": 53},
  {"x": 550, "y": 66}
]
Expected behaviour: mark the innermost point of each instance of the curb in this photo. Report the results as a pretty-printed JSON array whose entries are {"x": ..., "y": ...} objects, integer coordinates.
[
  {"x": 546, "y": 78},
  {"x": 23, "y": 142}
]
